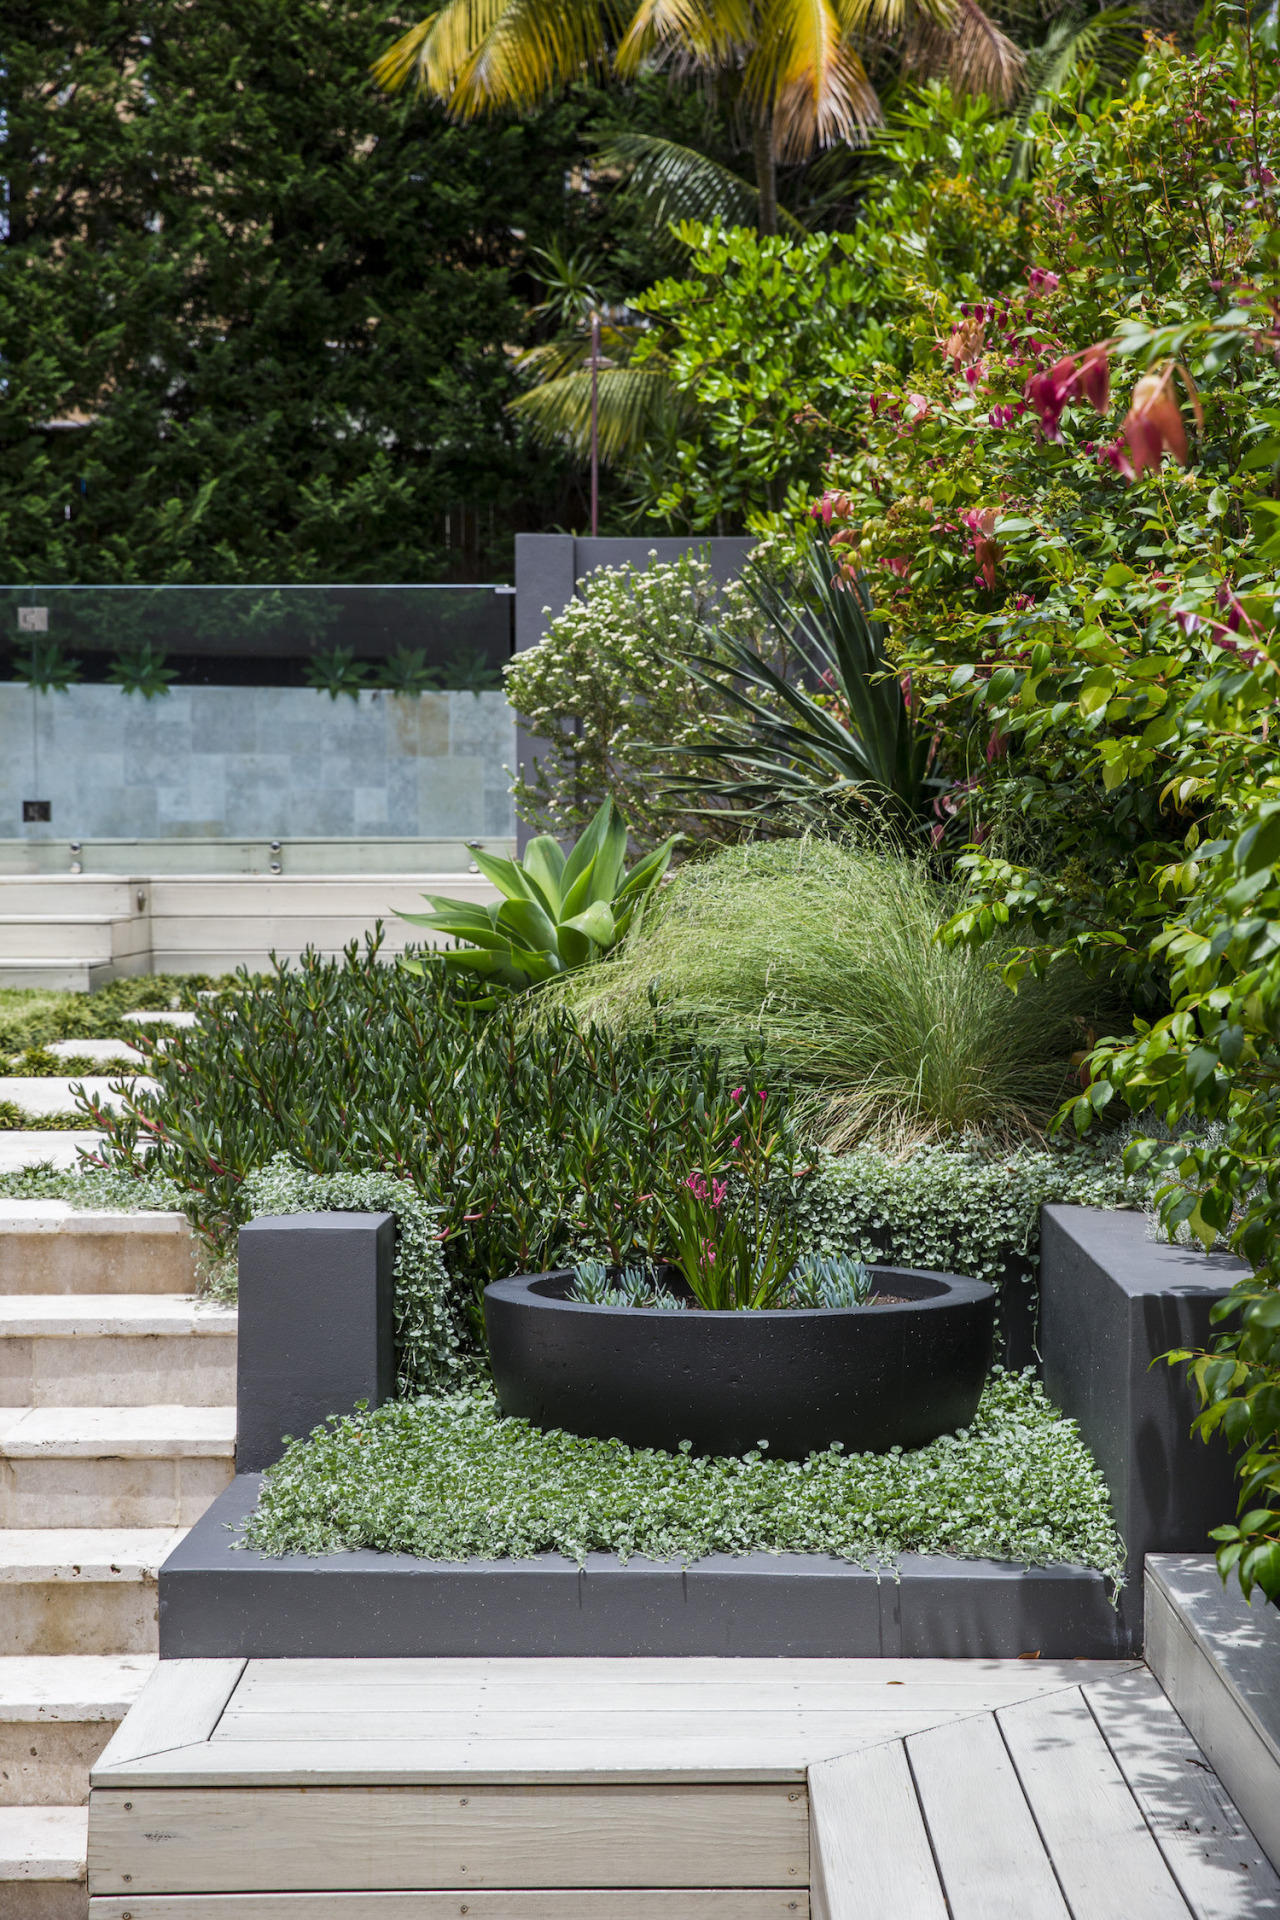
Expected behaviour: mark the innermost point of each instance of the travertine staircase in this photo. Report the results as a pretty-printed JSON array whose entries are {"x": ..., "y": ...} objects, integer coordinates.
[{"x": 117, "y": 1428}]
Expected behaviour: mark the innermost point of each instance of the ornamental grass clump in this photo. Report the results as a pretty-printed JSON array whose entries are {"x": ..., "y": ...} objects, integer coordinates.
[
  {"x": 823, "y": 952},
  {"x": 449, "y": 1478}
]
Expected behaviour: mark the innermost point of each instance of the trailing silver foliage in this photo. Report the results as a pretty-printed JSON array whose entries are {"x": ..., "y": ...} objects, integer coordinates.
[
  {"x": 954, "y": 1209},
  {"x": 450, "y": 1478}
]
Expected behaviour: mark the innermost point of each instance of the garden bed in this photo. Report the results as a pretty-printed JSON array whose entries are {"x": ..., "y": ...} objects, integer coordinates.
[{"x": 451, "y": 1479}]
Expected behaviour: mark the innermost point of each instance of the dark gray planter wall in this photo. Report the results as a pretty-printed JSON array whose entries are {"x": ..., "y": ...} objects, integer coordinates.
[
  {"x": 218, "y": 1600},
  {"x": 549, "y": 566},
  {"x": 316, "y": 1325},
  {"x": 1111, "y": 1302},
  {"x": 316, "y": 1319}
]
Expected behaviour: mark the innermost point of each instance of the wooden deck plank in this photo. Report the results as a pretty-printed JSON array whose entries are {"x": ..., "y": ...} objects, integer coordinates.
[
  {"x": 558, "y": 1903},
  {"x": 365, "y": 1839},
  {"x": 345, "y": 1712},
  {"x": 1106, "y": 1861},
  {"x": 604, "y": 1760},
  {"x": 628, "y": 1680},
  {"x": 1221, "y": 1869},
  {"x": 870, "y": 1854},
  {"x": 181, "y": 1703},
  {"x": 799, "y": 1728},
  {"x": 990, "y": 1857}
]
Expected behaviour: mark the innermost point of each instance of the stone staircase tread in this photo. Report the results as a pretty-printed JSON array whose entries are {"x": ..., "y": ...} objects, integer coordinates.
[
  {"x": 83, "y": 1555},
  {"x": 132, "y": 1433},
  {"x": 39, "y": 1094},
  {"x": 96, "y": 1050},
  {"x": 34, "y": 1148},
  {"x": 71, "y": 1686},
  {"x": 59, "y": 1216},
  {"x": 43, "y": 1843},
  {"x": 68, "y": 1316}
]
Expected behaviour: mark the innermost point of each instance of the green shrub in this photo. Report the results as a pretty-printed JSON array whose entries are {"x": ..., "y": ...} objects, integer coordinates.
[
  {"x": 955, "y": 1209},
  {"x": 450, "y": 1478},
  {"x": 601, "y": 690},
  {"x": 537, "y": 1146},
  {"x": 824, "y": 953}
]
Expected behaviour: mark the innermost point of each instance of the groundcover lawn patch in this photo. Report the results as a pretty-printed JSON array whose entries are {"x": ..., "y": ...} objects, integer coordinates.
[{"x": 450, "y": 1478}]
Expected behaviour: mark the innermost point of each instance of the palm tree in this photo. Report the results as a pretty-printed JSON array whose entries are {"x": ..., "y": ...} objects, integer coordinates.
[{"x": 793, "y": 68}]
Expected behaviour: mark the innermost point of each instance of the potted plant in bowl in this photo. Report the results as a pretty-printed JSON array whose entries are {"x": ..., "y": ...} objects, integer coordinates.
[{"x": 744, "y": 1337}]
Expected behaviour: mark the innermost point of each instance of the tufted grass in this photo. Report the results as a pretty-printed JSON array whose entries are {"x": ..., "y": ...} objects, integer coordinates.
[{"x": 825, "y": 952}]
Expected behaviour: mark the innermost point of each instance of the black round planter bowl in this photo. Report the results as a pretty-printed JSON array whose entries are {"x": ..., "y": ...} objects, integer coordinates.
[{"x": 799, "y": 1379}]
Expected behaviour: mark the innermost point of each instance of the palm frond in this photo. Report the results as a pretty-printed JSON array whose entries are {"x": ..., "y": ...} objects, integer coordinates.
[
  {"x": 1111, "y": 42},
  {"x": 703, "y": 33},
  {"x": 807, "y": 70},
  {"x": 968, "y": 50},
  {"x": 678, "y": 183},
  {"x": 481, "y": 55},
  {"x": 633, "y": 404}
]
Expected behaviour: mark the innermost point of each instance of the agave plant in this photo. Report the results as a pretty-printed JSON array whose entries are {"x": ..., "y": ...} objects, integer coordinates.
[
  {"x": 847, "y": 737},
  {"x": 557, "y": 912}
]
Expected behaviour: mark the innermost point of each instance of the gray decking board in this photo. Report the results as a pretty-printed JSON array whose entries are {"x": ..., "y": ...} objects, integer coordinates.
[{"x": 977, "y": 1788}]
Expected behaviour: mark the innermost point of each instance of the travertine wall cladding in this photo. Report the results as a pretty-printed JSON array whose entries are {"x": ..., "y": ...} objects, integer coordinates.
[{"x": 213, "y": 762}]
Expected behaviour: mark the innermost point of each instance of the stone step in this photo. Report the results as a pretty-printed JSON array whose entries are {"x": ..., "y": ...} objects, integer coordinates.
[
  {"x": 102, "y": 1052},
  {"x": 151, "y": 1466},
  {"x": 81, "y": 1589},
  {"x": 57, "y": 936},
  {"x": 37, "y": 1148},
  {"x": 54, "y": 976},
  {"x": 47, "y": 1246},
  {"x": 39, "y": 1094},
  {"x": 115, "y": 1350},
  {"x": 42, "y": 1863},
  {"x": 56, "y": 1716}
]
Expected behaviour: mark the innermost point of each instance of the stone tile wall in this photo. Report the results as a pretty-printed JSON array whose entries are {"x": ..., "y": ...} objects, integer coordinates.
[{"x": 217, "y": 762}]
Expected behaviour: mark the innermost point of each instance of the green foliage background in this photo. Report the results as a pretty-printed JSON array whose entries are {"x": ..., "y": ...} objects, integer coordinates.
[{"x": 280, "y": 304}]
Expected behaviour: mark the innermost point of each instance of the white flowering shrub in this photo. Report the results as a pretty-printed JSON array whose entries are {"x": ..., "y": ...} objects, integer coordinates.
[
  {"x": 451, "y": 1478},
  {"x": 433, "y": 1350},
  {"x": 601, "y": 689}
]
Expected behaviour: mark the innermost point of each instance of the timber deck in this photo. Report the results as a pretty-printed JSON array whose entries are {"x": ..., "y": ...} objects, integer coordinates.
[{"x": 664, "y": 1789}]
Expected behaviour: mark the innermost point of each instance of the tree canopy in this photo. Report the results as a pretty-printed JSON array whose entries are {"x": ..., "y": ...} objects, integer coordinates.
[{"x": 257, "y": 319}]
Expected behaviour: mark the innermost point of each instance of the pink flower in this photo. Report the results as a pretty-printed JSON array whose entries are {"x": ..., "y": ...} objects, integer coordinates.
[{"x": 737, "y": 1093}]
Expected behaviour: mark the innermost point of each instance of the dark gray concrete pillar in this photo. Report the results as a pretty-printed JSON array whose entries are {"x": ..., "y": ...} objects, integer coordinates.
[
  {"x": 1111, "y": 1302},
  {"x": 317, "y": 1325}
]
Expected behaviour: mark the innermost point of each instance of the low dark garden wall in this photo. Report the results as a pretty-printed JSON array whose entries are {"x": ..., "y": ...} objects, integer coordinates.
[{"x": 315, "y": 1331}]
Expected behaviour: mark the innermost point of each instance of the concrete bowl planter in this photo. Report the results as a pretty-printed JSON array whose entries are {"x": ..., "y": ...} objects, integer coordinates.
[{"x": 871, "y": 1377}]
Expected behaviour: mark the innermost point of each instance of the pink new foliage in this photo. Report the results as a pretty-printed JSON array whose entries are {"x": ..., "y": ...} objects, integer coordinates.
[
  {"x": 1084, "y": 376},
  {"x": 981, "y": 522}
]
